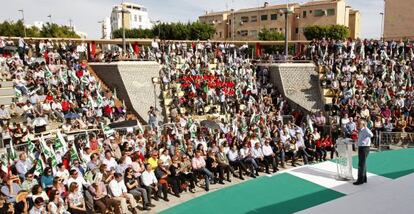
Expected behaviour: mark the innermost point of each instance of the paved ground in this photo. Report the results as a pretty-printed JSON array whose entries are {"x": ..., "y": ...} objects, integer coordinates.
[{"x": 162, "y": 205}]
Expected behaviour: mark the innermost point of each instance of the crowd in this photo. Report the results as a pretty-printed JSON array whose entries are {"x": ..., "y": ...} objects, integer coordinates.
[
  {"x": 370, "y": 80},
  {"x": 86, "y": 167}
]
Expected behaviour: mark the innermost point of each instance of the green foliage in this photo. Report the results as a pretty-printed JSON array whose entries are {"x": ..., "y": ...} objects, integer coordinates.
[
  {"x": 173, "y": 31},
  {"x": 56, "y": 31},
  {"x": 268, "y": 35},
  {"x": 271, "y": 35},
  {"x": 338, "y": 32},
  {"x": 48, "y": 30}
]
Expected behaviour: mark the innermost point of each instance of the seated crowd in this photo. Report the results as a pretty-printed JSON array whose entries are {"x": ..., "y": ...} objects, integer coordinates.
[{"x": 123, "y": 171}]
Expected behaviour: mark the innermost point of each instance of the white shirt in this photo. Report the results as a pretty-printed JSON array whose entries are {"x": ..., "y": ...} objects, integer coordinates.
[
  {"x": 64, "y": 175},
  {"x": 148, "y": 178},
  {"x": 267, "y": 150},
  {"x": 80, "y": 181},
  {"x": 257, "y": 152},
  {"x": 233, "y": 155},
  {"x": 244, "y": 152},
  {"x": 117, "y": 188},
  {"x": 111, "y": 163}
]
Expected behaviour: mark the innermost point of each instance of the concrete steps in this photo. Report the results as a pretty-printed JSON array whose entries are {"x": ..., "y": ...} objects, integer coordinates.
[{"x": 299, "y": 83}]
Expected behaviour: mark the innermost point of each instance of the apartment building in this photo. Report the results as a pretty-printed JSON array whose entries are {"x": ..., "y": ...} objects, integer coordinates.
[
  {"x": 399, "y": 19},
  {"x": 245, "y": 24}
]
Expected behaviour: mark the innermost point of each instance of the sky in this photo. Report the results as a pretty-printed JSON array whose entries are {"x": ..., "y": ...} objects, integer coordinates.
[{"x": 85, "y": 14}]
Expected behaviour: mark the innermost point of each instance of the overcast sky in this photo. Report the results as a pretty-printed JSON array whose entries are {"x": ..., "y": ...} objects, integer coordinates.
[{"x": 86, "y": 13}]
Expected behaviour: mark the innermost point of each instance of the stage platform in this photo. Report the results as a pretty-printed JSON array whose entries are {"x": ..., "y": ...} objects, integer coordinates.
[{"x": 315, "y": 189}]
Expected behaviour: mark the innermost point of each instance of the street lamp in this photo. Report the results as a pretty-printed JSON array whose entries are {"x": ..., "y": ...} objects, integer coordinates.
[
  {"x": 155, "y": 81},
  {"x": 24, "y": 27},
  {"x": 286, "y": 11},
  {"x": 298, "y": 19},
  {"x": 382, "y": 26},
  {"x": 50, "y": 18},
  {"x": 123, "y": 12},
  {"x": 159, "y": 28}
]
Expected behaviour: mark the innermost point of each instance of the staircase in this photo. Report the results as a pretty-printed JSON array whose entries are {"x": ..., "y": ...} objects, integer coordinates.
[
  {"x": 299, "y": 83},
  {"x": 7, "y": 92}
]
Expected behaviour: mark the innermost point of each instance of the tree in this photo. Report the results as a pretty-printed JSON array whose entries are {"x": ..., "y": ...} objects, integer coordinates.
[
  {"x": 270, "y": 35},
  {"x": 56, "y": 31},
  {"x": 337, "y": 32},
  {"x": 173, "y": 31},
  {"x": 48, "y": 30}
]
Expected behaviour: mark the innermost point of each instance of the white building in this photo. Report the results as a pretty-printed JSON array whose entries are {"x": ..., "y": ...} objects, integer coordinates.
[
  {"x": 135, "y": 16},
  {"x": 106, "y": 28}
]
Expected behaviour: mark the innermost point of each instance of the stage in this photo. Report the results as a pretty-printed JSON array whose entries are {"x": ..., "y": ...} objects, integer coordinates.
[{"x": 315, "y": 189}]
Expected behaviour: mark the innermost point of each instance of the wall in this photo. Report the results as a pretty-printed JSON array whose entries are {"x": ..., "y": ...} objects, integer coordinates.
[
  {"x": 399, "y": 17},
  {"x": 133, "y": 83},
  {"x": 354, "y": 24}
]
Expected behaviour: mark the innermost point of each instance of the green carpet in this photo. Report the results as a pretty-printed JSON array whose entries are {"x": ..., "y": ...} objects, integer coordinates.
[
  {"x": 391, "y": 164},
  {"x": 283, "y": 193}
]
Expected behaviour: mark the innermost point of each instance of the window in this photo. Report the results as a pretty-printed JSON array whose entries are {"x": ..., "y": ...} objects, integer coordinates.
[
  {"x": 304, "y": 14},
  {"x": 319, "y": 13},
  {"x": 263, "y": 17},
  {"x": 245, "y": 19},
  {"x": 135, "y": 17},
  {"x": 220, "y": 34},
  {"x": 273, "y": 16},
  {"x": 253, "y": 33},
  {"x": 310, "y": 11},
  {"x": 140, "y": 18},
  {"x": 253, "y": 19},
  {"x": 297, "y": 30},
  {"x": 243, "y": 33},
  {"x": 331, "y": 12}
]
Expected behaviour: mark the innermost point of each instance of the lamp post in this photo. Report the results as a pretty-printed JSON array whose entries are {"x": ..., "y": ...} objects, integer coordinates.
[
  {"x": 159, "y": 28},
  {"x": 298, "y": 19},
  {"x": 233, "y": 17},
  {"x": 24, "y": 27},
  {"x": 286, "y": 12},
  {"x": 382, "y": 26},
  {"x": 50, "y": 18}
]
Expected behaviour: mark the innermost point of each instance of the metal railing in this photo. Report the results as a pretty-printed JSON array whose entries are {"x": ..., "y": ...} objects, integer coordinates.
[{"x": 388, "y": 140}]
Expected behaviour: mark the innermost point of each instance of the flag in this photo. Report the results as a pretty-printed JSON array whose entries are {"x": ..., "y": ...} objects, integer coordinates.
[
  {"x": 141, "y": 129},
  {"x": 74, "y": 153},
  {"x": 252, "y": 100},
  {"x": 30, "y": 149},
  {"x": 4, "y": 163},
  {"x": 387, "y": 95},
  {"x": 18, "y": 93},
  {"x": 48, "y": 152},
  {"x": 85, "y": 80},
  {"x": 39, "y": 167},
  {"x": 99, "y": 99},
  {"x": 108, "y": 131},
  {"x": 12, "y": 155},
  {"x": 255, "y": 118},
  {"x": 60, "y": 143},
  {"x": 73, "y": 77},
  {"x": 48, "y": 73}
]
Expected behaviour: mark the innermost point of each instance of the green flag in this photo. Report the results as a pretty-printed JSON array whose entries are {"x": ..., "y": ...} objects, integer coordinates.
[
  {"x": 73, "y": 154},
  {"x": 30, "y": 149},
  {"x": 48, "y": 152},
  {"x": 39, "y": 167},
  {"x": 107, "y": 130},
  {"x": 48, "y": 73},
  {"x": 4, "y": 163},
  {"x": 60, "y": 143},
  {"x": 12, "y": 154}
]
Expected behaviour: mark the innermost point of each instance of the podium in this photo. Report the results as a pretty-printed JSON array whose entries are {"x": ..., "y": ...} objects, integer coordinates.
[{"x": 344, "y": 160}]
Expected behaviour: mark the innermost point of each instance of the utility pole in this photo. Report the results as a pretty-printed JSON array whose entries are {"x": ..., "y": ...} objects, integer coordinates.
[
  {"x": 286, "y": 31},
  {"x": 24, "y": 26},
  {"x": 70, "y": 24},
  {"x": 382, "y": 26}
]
